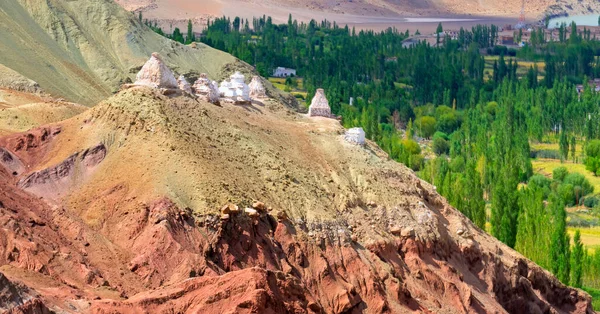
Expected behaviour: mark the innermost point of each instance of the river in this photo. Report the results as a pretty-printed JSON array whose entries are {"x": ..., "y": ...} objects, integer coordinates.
[{"x": 582, "y": 20}]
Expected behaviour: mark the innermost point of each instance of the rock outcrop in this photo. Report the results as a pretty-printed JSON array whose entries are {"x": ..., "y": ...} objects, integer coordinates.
[
  {"x": 319, "y": 106},
  {"x": 257, "y": 89},
  {"x": 206, "y": 90},
  {"x": 12, "y": 80},
  {"x": 15, "y": 298},
  {"x": 156, "y": 74}
]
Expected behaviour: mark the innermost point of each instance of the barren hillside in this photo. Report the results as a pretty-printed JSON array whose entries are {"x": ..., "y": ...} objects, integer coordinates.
[
  {"x": 119, "y": 209},
  {"x": 84, "y": 50},
  {"x": 176, "y": 11}
]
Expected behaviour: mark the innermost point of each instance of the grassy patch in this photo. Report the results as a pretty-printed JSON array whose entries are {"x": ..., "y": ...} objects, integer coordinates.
[
  {"x": 402, "y": 85},
  {"x": 279, "y": 83},
  {"x": 546, "y": 166},
  {"x": 552, "y": 146},
  {"x": 590, "y": 237},
  {"x": 521, "y": 71}
]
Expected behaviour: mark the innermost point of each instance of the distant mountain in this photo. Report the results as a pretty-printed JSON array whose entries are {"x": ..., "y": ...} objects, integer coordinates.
[{"x": 181, "y": 9}]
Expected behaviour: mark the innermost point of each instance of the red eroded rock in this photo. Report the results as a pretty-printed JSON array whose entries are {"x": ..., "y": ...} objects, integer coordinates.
[
  {"x": 17, "y": 299},
  {"x": 252, "y": 290}
]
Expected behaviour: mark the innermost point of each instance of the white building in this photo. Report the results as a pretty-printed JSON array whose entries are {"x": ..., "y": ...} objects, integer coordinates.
[
  {"x": 284, "y": 72},
  {"x": 355, "y": 136}
]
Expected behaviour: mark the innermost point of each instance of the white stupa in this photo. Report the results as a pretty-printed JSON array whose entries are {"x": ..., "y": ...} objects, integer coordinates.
[
  {"x": 319, "y": 105},
  {"x": 156, "y": 74},
  {"x": 235, "y": 89},
  {"x": 257, "y": 89},
  {"x": 355, "y": 136},
  {"x": 184, "y": 85},
  {"x": 206, "y": 90}
]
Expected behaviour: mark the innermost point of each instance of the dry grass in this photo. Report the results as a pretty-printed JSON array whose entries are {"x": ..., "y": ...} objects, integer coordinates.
[{"x": 279, "y": 83}]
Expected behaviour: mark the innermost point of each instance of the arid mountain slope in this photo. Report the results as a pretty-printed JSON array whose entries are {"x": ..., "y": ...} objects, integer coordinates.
[
  {"x": 119, "y": 209},
  {"x": 174, "y": 10},
  {"x": 21, "y": 111},
  {"x": 84, "y": 50}
]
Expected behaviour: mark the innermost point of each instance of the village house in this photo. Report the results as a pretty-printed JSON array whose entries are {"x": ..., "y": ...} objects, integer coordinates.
[
  {"x": 284, "y": 72},
  {"x": 507, "y": 40},
  {"x": 594, "y": 84}
]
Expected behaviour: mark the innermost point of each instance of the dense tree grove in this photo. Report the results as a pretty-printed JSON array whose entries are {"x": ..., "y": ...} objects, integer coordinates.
[{"x": 480, "y": 119}]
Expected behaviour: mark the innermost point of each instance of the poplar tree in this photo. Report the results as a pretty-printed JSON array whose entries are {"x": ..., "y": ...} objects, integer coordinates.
[
  {"x": 559, "y": 247},
  {"x": 563, "y": 145},
  {"x": 577, "y": 260},
  {"x": 190, "y": 33}
]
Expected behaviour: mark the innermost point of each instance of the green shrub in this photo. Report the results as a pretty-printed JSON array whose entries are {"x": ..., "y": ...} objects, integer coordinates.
[
  {"x": 440, "y": 146},
  {"x": 538, "y": 181},
  {"x": 411, "y": 147},
  {"x": 442, "y": 135},
  {"x": 416, "y": 162},
  {"x": 592, "y": 164},
  {"x": 425, "y": 126},
  {"x": 577, "y": 179},
  {"x": 560, "y": 173},
  {"x": 591, "y": 201},
  {"x": 565, "y": 191}
]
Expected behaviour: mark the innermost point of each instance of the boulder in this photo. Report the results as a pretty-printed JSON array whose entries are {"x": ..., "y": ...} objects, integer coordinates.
[
  {"x": 282, "y": 216},
  {"x": 251, "y": 212},
  {"x": 260, "y": 206},
  {"x": 396, "y": 231}
]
